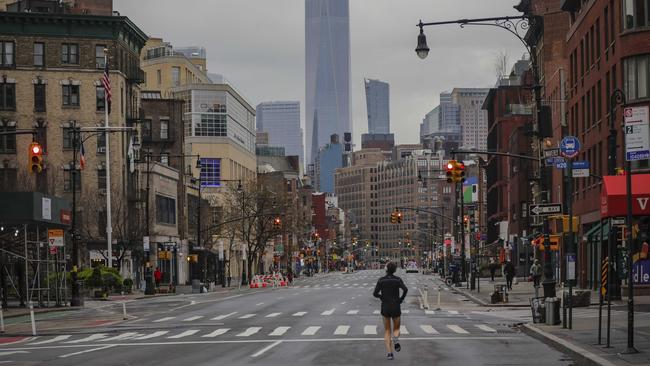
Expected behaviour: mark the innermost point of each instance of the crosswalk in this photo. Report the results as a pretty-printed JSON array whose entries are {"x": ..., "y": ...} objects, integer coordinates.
[{"x": 418, "y": 330}]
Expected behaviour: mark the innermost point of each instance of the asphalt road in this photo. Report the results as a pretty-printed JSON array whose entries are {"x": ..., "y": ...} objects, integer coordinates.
[{"x": 330, "y": 319}]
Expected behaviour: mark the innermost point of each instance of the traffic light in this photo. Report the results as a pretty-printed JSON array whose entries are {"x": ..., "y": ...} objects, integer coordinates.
[
  {"x": 277, "y": 223},
  {"x": 466, "y": 222},
  {"x": 450, "y": 171},
  {"x": 393, "y": 217},
  {"x": 35, "y": 158},
  {"x": 459, "y": 172},
  {"x": 399, "y": 217}
]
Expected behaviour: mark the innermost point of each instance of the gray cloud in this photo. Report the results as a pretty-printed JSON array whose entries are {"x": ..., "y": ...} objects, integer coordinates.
[{"x": 259, "y": 46}]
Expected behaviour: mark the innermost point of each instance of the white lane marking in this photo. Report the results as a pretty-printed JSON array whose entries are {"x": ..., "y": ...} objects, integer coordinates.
[
  {"x": 485, "y": 328},
  {"x": 328, "y": 312},
  {"x": 279, "y": 331},
  {"x": 222, "y": 317},
  {"x": 429, "y": 312},
  {"x": 370, "y": 329},
  {"x": 165, "y": 319},
  {"x": 263, "y": 350},
  {"x": 246, "y": 316},
  {"x": 86, "y": 351},
  {"x": 452, "y": 312},
  {"x": 457, "y": 329},
  {"x": 11, "y": 353},
  {"x": 342, "y": 330},
  {"x": 343, "y": 303},
  {"x": 272, "y": 315},
  {"x": 193, "y": 318},
  {"x": 90, "y": 338},
  {"x": 53, "y": 340},
  {"x": 217, "y": 332},
  {"x": 122, "y": 336},
  {"x": 259, "y": 304},
  {"x": 403, "y": 330},
  {"x": 152, "y": 335},
  {"x": 249, "y": 332},
  {"x": 353, "y": 312},
  {"x": 428, "y": 329},
  {"x": 307, "y": 286},
  {"x": 406, "y": 311},
  {"x": 186, "y": 333},
  {"x": 376, "y": 312},
  {"x": 365, "y": 284},
  {"x": 311, "y": 330},
  {"x": 300, "y": 313}
]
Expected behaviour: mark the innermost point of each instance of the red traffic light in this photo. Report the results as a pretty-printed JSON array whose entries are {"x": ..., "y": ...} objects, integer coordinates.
[
  {"x": 35, "y": 157},
  {"x": 36, "y": 149},
  {"x": 450, "y": 165}
]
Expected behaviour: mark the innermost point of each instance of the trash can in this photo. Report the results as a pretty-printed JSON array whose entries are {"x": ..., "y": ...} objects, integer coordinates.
[{"x": 552, "y": 310}]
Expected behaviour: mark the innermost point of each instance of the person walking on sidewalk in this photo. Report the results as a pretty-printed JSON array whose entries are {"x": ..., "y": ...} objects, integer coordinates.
[
  {"x": 493, "y": 269},
  {"x": 510, "y": 274},
  {"x": 536, "y": 272},
  {"x": 387, "y": 290},
  {"x": 157, "y": 276}
]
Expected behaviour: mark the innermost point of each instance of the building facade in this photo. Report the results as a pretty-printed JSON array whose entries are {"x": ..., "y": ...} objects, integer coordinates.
[
  {"x": 281, "y": 120},
  {"x": 327, "y": 73},
  {"x": 329, "y": 158},
  {"x": 473, "y": 120},
  {"x": 377, "y": 106}
]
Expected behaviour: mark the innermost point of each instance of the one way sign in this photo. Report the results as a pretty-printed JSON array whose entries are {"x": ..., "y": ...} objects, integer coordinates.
[{"x": 546, "y": 209}]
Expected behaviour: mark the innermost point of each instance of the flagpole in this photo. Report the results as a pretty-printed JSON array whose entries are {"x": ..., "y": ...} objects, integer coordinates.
[{"x": 109, "y": 225}]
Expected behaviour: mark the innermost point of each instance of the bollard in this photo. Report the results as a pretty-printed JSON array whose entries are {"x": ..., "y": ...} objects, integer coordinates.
[
  {"x": 31, "y": 314},
  {"x": 438, "y": 296},
  {"x": 124, "y": 307},
  {"x": 2, "y": 321}
]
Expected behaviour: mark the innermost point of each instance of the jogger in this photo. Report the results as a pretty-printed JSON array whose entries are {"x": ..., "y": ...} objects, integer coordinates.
[{"x": 387, "y": 290}]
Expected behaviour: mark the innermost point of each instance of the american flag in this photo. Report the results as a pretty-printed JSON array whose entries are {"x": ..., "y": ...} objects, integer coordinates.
[
  {"x": 82, "y": 157},
  {"x": 106, "y": 82}
]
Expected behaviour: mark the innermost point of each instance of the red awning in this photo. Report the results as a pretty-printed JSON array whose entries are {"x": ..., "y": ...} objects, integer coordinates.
[{"x": 613, "y": 201}]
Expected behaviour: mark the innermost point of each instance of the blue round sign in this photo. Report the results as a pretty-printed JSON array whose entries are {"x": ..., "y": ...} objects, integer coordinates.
[{"x": 570, "y": 147}]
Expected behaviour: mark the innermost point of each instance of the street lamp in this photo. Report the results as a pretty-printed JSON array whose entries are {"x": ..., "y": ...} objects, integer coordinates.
[{"x": 422, "y": 49}]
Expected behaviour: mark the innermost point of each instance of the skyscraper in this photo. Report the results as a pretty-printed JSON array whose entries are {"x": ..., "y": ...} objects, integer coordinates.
[
  {"x": 378, "y": 106},
  {"x": 281, "y": 120},
  {"x": 473, "y": 119},
  {"x": 327, "y": 72}
]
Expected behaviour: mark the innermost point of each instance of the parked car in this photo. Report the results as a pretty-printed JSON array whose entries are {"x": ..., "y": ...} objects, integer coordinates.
[{"x": 412, "y": 268}]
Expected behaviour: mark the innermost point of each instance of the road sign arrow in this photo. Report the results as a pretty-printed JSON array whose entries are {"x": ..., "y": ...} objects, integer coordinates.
[{"x": 545, "y": 209}]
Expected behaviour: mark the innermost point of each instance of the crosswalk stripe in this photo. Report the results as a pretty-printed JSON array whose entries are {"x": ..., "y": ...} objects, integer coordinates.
[
  {"x": 90, "y": 338},
  {"x": 217, "y": 332},
  {"x": 485, "y": 328},
  {"x": 221, "y": 317},
  {"x": 328, "y": 312},
  {"x": 457, "y": 329},
  {"x": 342, "y": 330},
  {"x": 273, "y": 315},
  {"x": 168, "y": 318},
  {"x": 249, "y": 332},
  {"x": 403, "y": 330},
  {"x": 370, "y": 329},
  {"x": 193, "y": 318},
  {"x": 152, "y": 335},
  {"x": 122, "y": 336},
  {"x": 452, "y": 312},
  {"x": 279, "y": 331},
  {"x": 376, "y": 312},
  {"x": 428, "y": 329},
  {"x": 186, "y": 333},
  {"x": 353, "y": 312},
  {"x": 300, "y": 313},
  {"x": 429, "y": 312},
  {"x": 246, "y": 316},
  {"x": 406, "y": 311},
  {"x": 53, "y": 340},
  {"x": 311, "y": 330}
]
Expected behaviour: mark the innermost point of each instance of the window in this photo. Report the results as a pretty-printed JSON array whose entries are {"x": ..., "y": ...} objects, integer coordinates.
[
  {"x": 164, "y": 129},
  {"x": 159, "y": 75},
  {"x": 99, "y": 56},
  {"x": 67, "y": 181},
  {"x": 7, "y": 96},
  {"x": 636, "y": 77},
  {"x": 70, "y": 53},
  {"x": 39, "y": 54},
  {"x": 70, "y": 95},
  {"x": 100, "y": 98},
  {"x": 210, "y": 172},
  {"x": 39, "y": 97},
  {"x": 101, "y": 178},
  {"x": 101, "y": 143},
  {"x": 68, "y": 137},
  {"x": 635, "y": 13},
  {"x": 8, "y": 142},
  {"x": 41, "y": 134},
  {"x": 212, "y": 125},
  {"x": 146, "y": 129},
  {"x": 176, "y": 76},
  {"x": 164, "y": 158},
  {"x": 7, "y": 54},
  {"x": 165, "y": 210}
]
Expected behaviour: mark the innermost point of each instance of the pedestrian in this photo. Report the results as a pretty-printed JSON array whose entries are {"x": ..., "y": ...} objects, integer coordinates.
[
  {"x": 290, "y": 275},
  {"x": 536, "y": 272},
  {"x": 387, "y": 290},
  {"x": 157, "y": 276},
  {"x": 510, "y": 274},
  {"x": 493, "y": 269}
]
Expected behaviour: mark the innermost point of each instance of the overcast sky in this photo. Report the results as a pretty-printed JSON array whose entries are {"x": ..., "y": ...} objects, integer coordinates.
[{"x": 258, "y": 45}]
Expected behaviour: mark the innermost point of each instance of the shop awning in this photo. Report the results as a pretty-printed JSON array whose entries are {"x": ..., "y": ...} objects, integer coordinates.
[
  {"x": 594, "y": 233},
  {"x": 613, "y": 201}
]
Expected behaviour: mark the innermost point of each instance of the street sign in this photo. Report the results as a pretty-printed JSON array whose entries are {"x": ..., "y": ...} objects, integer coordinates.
[
  {"x": 551, "y": 153},
  {"x": 637, "y": 133},
  {"x": 55, "y": 237},
  {"x": 560, "y": 164},
  {"x": 145, "y": 243},
  {"x": 570, "y": 147},
  {"x": 580, "y": 169},
  {"x": 546, "y": 209},
  {"x": 580, "y": 165},
  {"x": 570, "y": 267},
  {"x": 618, "y": 221},
  {"x": 553, "y": 161}
]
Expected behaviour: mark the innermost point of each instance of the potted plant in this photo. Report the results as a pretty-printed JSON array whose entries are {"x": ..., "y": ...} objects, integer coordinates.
[{"x": 128, "y": 285}]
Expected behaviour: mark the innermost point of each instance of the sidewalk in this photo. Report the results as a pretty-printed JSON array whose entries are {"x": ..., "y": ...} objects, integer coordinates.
[{"x": 519, "y": 296}]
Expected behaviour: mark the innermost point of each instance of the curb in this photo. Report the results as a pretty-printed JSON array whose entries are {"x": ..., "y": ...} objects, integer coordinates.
[
  {"x": 582, "y": 356},
  {"x": 480, "y": 302},
  {"x": 44, "y": 311}
]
